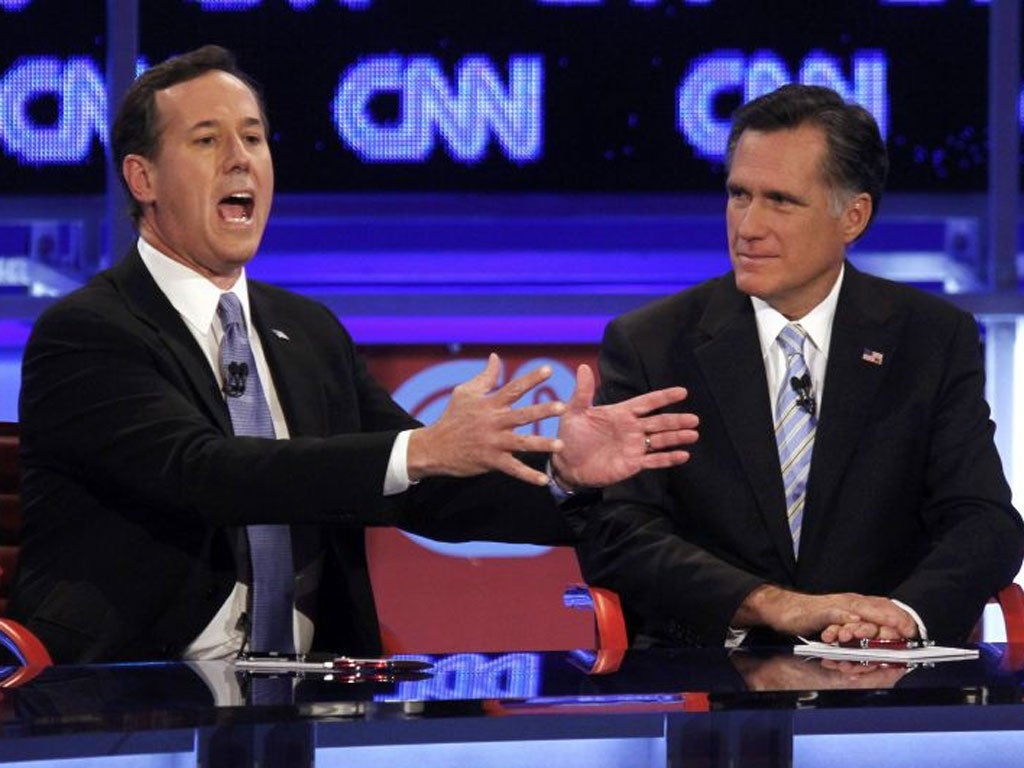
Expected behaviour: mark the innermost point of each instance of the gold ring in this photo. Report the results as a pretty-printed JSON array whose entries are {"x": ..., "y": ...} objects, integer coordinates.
[{"x": 647, "y": 443}]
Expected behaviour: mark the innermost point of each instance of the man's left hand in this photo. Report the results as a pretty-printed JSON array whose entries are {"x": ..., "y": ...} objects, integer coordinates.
[{"x": 606, "y": 444}]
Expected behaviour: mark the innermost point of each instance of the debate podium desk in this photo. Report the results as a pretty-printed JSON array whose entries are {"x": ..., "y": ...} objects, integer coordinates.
[{"x": 706, "y": 707}]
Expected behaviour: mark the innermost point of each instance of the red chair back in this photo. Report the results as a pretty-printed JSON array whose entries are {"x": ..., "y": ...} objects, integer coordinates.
[{"x": 10, "y": 509}]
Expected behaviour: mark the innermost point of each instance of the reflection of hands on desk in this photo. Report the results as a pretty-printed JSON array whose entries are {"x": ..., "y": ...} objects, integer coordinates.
[{"x": 784, "y": 672}]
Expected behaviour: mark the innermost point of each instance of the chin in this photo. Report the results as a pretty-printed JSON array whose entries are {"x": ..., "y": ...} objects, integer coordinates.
[{"x": 750, "y": 285}]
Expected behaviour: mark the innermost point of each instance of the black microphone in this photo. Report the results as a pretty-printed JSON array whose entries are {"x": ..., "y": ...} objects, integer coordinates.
[
  {"x": 802, "y": 386},
  {"x": 234, "y": 386}
]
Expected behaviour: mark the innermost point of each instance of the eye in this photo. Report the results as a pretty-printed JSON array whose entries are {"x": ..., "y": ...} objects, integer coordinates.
[
  {"x": 205, "y": 141},
  {"x": 780, "y": 199}
]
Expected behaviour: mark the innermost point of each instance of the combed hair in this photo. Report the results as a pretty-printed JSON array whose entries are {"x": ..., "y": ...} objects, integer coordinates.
[
  {"x": 136, "y": 130},
  {"x": 856, "y": 160}
]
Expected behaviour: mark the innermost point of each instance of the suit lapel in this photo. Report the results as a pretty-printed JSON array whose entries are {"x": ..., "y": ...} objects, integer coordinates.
[
  {"x": 147, "y": 302},
  {"x": 732, "y": 363},
  {"x": 289, "y": 351},
  {"x": 864, "y": 327}
]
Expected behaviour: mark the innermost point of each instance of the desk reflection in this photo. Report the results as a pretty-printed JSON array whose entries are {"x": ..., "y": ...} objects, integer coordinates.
[{"x": 674, "y": 707}]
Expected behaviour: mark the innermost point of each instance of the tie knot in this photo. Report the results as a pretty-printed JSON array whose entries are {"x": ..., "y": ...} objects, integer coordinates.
[
  {"x": 791, "y": 339},
  {"x": 229, "y": 310}
]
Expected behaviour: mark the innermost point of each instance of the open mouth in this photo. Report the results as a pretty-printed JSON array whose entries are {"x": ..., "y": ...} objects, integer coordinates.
[{"x": 237, "y": 208}]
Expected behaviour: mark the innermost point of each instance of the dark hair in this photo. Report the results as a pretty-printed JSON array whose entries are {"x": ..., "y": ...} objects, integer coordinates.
[
  {"x": 855, "y": 160},
  {"x": 136, "y": 127}
]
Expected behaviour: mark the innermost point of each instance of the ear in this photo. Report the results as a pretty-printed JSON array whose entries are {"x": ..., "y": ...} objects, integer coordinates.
[
  {"x": 856, "y": 217},
  {"x": 138, "y": 175}
]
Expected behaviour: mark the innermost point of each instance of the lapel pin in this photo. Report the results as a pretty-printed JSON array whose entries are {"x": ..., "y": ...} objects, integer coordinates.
[
  {"x": 280, "y": 334},
  {"x": 872, "y": 356}
]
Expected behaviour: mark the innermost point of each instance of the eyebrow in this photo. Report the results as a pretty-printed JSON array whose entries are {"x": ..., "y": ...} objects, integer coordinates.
[
  {"x": 734, "y": 187},
  {"x": 248, "y": 122}
]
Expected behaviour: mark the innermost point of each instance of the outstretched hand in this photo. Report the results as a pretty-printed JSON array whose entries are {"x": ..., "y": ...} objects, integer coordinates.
[
  {"x": 606, "y": 444},
  {"x": 476, "y": 433}
]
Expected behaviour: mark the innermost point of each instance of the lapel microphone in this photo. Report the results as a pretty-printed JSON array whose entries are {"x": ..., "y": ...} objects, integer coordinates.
[
  {"x": 234, "y": 385},
  {"x": 800, "y": 384}
]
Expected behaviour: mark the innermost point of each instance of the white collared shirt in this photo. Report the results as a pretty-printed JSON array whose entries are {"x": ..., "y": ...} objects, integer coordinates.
[
  {"x": 195, "y": 298},
  {"x": 818, "y": 325}
]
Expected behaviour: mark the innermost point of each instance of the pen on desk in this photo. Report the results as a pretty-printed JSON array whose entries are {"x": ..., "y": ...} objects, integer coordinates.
[
  {"x": 890, "y": 645},
  {"x": 298, "y": 663}
]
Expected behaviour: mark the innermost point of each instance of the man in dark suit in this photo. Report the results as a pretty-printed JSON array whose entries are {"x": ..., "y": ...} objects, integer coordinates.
[
  {"x": 147, "y": 493},
  {"x": 894, "y": 519}
]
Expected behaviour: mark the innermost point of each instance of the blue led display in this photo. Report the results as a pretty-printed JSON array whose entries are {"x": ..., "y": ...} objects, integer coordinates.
[
  {"x": 543, "y": 95},
  {"x": 79, "y": 92},
  {"x": 473, "y": 676},
  {"x": 464, "y": 115},
  {"x": 764, "y": 71}
]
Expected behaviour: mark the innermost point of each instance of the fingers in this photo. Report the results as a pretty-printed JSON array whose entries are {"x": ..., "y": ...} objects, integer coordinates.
[
  {"x": 861, "y": 630},
  {"x": 662, "y": 440},
  {"x": 664, "y": 459},
  {"x": 520, "y": 385},
  {"x": 583, "y": 396},
  {"x": 882, "y": 611},
  {"x": 487, "y": 379},
  {"x": 531, "y": 413},
  {"x": 515, "y": 468},
  {"x": 669, "y": 422},
  {"x": 652, "y": 401}
]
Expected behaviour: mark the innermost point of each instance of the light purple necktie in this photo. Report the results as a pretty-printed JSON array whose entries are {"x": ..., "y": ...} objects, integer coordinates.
[
  {"x": 270, "y": 548},
  {"x": 795, "y": 421}
]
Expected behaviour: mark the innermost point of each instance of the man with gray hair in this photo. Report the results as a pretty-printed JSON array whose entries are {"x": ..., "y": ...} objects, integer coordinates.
[{"x": 846, "y": 484}]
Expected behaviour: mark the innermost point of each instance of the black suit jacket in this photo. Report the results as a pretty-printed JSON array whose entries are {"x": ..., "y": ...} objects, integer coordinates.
[
  {"x": 906, "y": 496},
  {"x": 133, "y": 482}
]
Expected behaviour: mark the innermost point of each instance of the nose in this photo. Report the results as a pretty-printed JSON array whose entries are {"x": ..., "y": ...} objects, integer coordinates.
[
  {"x": 751, "y": 224},
  {"x": 237, "y": 155}
]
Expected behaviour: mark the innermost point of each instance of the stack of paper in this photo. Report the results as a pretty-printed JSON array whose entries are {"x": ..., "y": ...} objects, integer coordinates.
[{"x": 926, "y": 654}]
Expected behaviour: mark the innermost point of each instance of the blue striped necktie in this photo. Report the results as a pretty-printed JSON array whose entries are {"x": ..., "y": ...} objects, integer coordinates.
[
  {"x": 795, "y": 421},
  {"x": 270, "y": 549}
]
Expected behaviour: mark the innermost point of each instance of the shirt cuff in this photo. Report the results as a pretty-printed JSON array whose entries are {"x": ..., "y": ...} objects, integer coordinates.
[
  {"x": 396, "y": 479},
  {"x": 922, "y": 630},
  {"x": 557, "y": 492}
]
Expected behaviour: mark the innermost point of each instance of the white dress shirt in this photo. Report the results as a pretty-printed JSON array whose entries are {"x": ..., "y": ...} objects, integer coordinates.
[
  {"x": 818, "y": 325},
  {"x": 196, "y": 298}
]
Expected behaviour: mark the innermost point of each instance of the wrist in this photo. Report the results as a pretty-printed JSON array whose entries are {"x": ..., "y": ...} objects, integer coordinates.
[
  {"x": 559, "y": 488},
  {"x": 757, "y": 607},
  {"x": 418, "y": 455},
  {"x": 558, "y": 479}
]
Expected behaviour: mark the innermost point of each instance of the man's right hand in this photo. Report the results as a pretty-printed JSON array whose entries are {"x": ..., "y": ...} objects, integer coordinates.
[
  {"x": 476, "y": 433},
  {"x": 839, "y": 616}
]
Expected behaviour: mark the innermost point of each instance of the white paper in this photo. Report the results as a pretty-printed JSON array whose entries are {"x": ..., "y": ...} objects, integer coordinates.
[{"x": 906, "y": 655}]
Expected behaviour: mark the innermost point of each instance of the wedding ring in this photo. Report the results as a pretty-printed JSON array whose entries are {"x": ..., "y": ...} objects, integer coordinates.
[{"x": 647, "y": 443}]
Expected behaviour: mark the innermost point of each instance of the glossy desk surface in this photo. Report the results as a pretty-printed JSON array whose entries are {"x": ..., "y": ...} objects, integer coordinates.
[{"x": 708, "y": 706}]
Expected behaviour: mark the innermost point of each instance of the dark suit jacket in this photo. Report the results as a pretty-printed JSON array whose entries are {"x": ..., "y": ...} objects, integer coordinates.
[
  {"x": 133, "y": 482},
  {"x": 906, "y": 495}
]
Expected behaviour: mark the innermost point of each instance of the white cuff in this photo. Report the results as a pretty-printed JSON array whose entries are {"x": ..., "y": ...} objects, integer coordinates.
[
  {"x": 396, "y": 479},
  {"x": 922, "y": 630}
]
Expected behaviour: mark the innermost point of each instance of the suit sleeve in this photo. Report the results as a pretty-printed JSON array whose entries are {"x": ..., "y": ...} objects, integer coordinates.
[
  {"x": 104, "y": 402},
  {"x": 977, "y": 538},
  {"x": 630, "y": 541}
]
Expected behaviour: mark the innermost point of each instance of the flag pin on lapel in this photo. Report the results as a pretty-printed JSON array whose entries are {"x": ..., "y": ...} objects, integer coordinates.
[
  {"x": 872, "y": 356},
  {"x": 280, "y": 334}
]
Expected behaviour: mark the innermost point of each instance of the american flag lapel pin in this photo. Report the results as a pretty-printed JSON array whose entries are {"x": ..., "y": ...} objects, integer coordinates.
[{"x": 872, "y": 356}]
